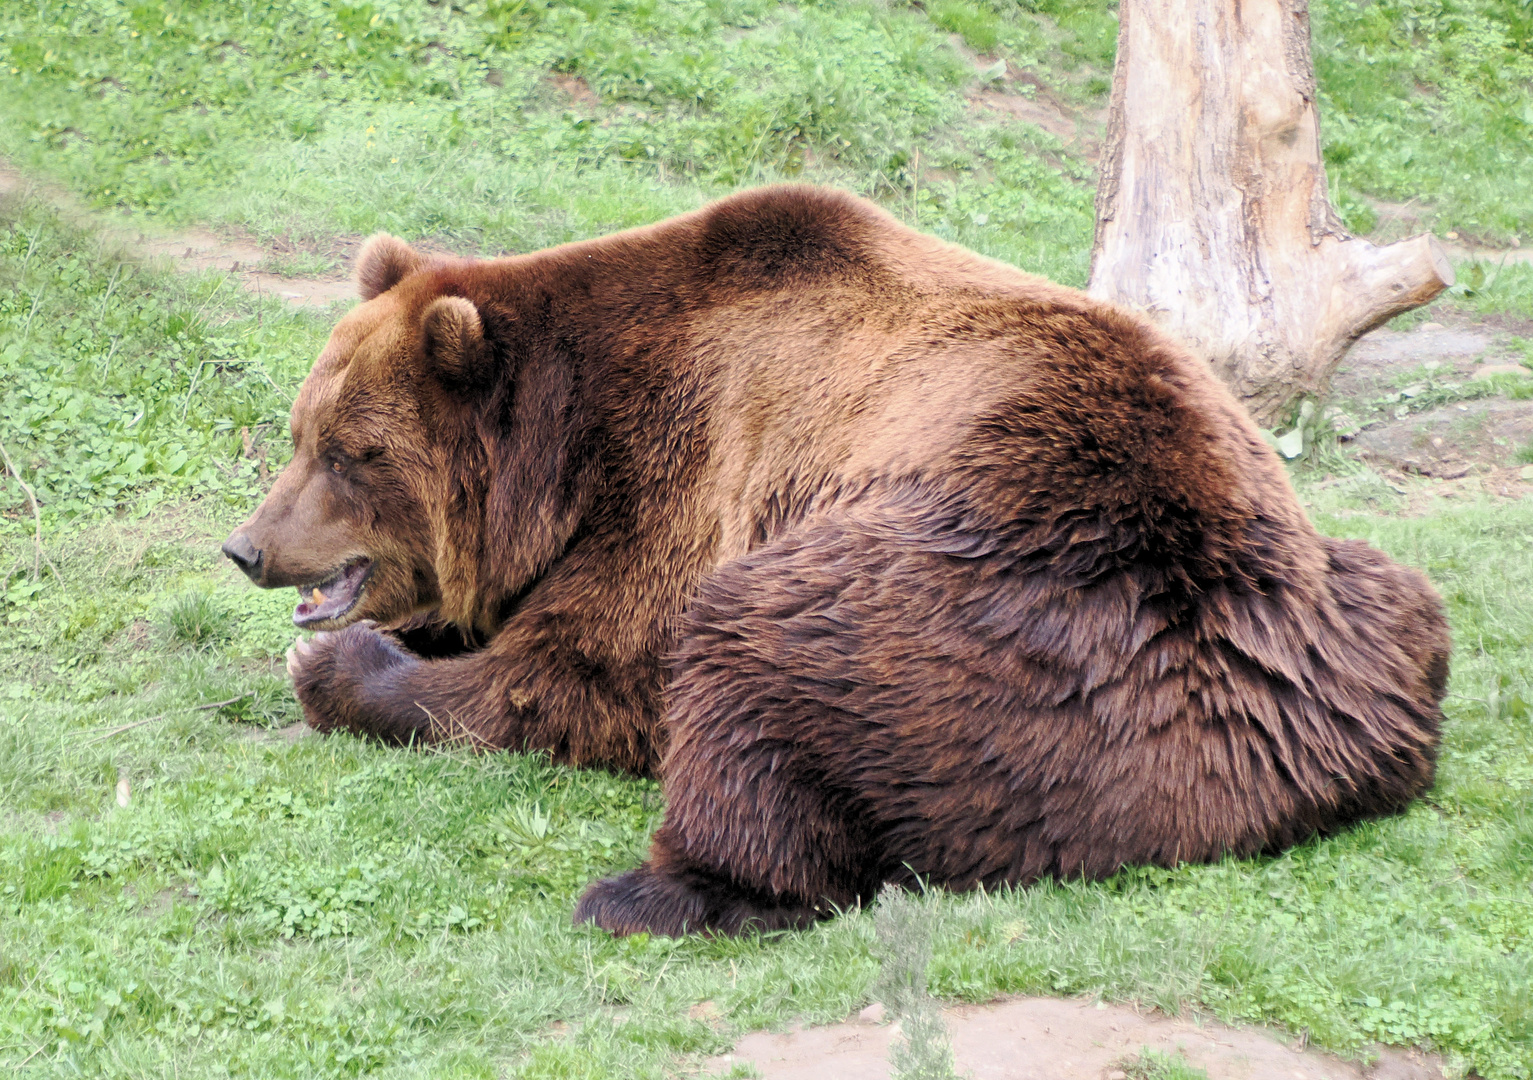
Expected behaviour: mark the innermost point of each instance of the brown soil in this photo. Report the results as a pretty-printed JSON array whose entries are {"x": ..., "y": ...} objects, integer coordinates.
[
  {"x": 195, "y": 250},
  {"x": 1022, "y": 95},
  {"x": 1080, "y": 133},
  {"x": 575, "y": 88},
  {"x": 1054, "y": 1039},
  {"x": 1476, "y": 441}
]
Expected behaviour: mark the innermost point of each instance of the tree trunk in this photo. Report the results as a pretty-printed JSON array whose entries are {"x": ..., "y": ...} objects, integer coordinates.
[{"x": 1212, "y": 214}]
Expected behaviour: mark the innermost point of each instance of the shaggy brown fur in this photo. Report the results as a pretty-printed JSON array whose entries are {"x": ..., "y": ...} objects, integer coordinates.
[{"x": 921, "y": 566}]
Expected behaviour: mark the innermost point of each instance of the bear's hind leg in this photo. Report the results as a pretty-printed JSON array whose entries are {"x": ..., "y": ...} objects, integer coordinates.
[
  {"x": 749, "y": 842},
  {"x": 762, "y": 828},
  {"x": 671, "y": 896}
]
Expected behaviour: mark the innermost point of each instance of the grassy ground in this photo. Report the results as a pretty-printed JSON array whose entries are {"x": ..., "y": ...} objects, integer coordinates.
[{"x": 265, "y": 905}]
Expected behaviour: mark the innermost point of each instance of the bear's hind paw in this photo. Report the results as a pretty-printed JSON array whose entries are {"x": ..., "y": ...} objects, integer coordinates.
[{"x": 647, "y": 900}]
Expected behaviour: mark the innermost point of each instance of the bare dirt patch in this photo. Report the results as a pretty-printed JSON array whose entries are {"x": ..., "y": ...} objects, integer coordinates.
[
  {"x": 1054, "y": 1039},
  {"x": 1388, "y": 373},
  {"x": 1451, "y": 442},
  {"x": 1379, "y": 357},
  {"x": 575, "y": 88},
  {"x": 1020, "y": 95},
  {"x": 197, "y": 250}
]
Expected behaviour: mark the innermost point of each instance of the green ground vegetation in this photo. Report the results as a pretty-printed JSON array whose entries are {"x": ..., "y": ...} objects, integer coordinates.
[
  {"x": 266, "y": 905},
  {"x": 1153, "y": 1065},
  {"x": 303, "y": 120}
]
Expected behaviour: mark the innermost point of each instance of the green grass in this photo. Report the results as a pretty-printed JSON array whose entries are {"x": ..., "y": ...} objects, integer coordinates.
[
  {"x": 198, "y": 618},
  {"x": 327, "y": 907},
  {"x": 272, "y": 906},
  {"x": 303, "y": 120},
  {"x": 1154, "y": 1065},
  {"x": 449, "y": 123},
  {"x": 119, "y": 384},
  {"x": 1429, "y": 103}
]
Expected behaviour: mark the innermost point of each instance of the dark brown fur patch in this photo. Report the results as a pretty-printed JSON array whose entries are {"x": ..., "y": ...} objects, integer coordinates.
[{"x": 892, "y": 561}]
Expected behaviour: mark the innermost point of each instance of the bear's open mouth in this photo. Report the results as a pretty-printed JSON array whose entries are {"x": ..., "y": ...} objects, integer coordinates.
[{"x": 333, "y": 597}]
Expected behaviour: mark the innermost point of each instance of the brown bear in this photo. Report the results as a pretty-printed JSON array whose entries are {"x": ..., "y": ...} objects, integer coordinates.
[{"x": 893, "y": 562}]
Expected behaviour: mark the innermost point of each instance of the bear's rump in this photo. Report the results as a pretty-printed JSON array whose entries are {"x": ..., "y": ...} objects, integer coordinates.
[{"x": 985, "y": 706}]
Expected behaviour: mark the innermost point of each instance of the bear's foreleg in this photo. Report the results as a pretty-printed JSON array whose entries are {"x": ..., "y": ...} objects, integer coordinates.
[{"x": 511, "y": 695}]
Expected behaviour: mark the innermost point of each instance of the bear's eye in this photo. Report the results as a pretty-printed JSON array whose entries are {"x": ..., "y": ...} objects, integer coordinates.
[{"x": 337, "y": 467}]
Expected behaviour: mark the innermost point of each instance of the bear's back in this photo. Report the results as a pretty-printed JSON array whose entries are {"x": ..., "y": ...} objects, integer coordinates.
[{"x": 844, "y": 348}]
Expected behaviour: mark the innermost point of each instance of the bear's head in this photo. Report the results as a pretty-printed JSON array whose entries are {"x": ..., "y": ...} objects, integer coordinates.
[{"x": 372, "y": 518}]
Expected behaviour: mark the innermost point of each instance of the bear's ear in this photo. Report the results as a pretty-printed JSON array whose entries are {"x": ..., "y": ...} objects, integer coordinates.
[
  {"x": 455, "y": 346},
  {"x": 383, "y": 262}
]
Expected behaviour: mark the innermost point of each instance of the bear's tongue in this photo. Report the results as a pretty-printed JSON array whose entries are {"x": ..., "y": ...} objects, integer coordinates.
[{"x": 332, "y": 598}]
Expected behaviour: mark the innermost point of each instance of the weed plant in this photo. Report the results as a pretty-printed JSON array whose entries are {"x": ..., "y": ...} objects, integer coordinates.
[
  {"x": 903, "y": 930},
  {"x": 198, "y": 618}
]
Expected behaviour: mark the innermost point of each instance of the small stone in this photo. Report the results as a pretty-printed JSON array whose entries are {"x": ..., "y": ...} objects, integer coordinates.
[
  {"x": 1489, "y": 371},
  {"x": 1426, "y": 326},
  {"x": 1525, "y": 473},
  {"x": 873, "y": 1014},
  {"x": 1437, "y": 440}
]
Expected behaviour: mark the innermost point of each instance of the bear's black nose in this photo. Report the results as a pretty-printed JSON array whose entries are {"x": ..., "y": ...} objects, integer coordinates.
[{"x": 245, "y": 555}]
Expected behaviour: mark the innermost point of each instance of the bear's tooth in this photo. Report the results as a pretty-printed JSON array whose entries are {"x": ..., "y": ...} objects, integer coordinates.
[{"x": 319, "y": 597}]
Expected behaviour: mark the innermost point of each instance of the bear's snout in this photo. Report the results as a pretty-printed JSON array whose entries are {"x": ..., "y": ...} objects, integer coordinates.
[{"x": 244, "y": 555}]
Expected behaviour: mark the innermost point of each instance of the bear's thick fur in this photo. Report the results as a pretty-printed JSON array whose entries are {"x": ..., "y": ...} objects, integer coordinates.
[{"x": 909, "y": 564}]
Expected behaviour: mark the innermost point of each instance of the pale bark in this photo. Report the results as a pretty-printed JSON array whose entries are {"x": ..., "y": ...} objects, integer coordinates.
[{"x": 1212, "y": 211}]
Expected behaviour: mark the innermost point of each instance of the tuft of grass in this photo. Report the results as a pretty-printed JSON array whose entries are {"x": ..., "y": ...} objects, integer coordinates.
[
  {"x": 1151, "y": 1064},
  {"x": 979, "y": 26},
  {"x": 199, "y": 619}
]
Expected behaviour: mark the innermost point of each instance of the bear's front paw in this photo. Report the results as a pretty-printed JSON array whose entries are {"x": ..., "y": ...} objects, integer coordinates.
[{"x": 343, "y": 678}]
